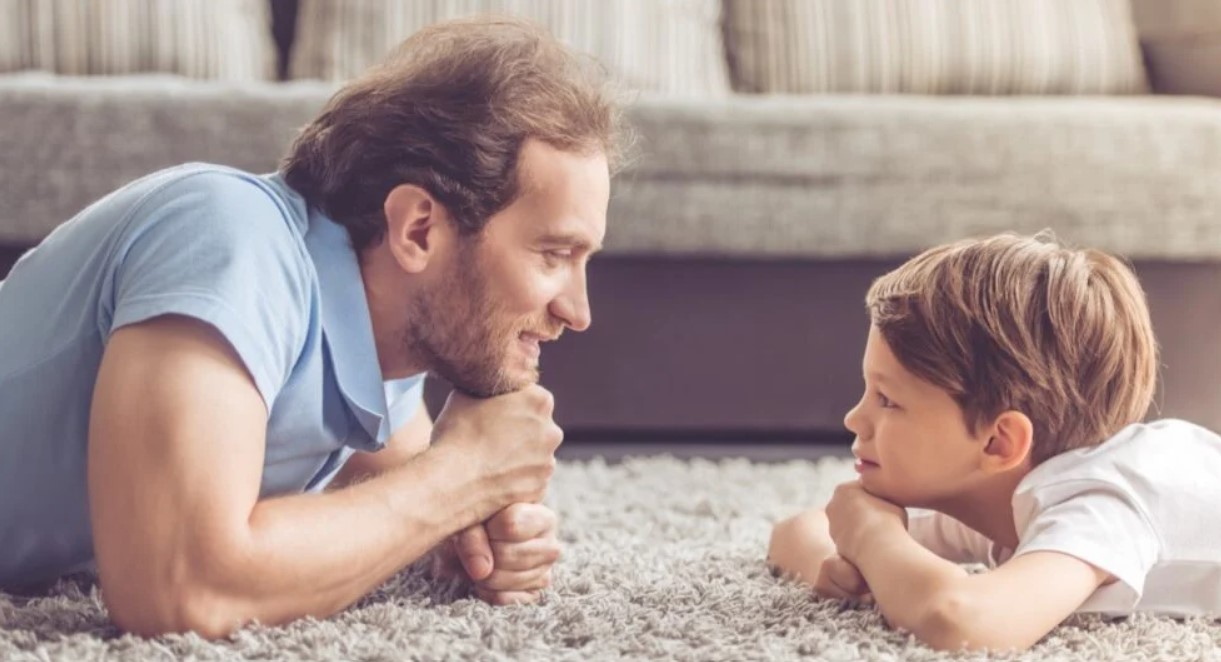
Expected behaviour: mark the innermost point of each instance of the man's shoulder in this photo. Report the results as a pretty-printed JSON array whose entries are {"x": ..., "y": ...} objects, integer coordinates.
[
  {"x": 200, "y": 208},
  {"x": 218, "y": 194}
]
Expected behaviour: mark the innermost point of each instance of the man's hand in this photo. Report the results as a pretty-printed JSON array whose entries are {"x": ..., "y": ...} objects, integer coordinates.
[
  {"x": 509, "y": 557},
  {"x": 509, "y": 440},
  {"x": 855, "y": 515}
]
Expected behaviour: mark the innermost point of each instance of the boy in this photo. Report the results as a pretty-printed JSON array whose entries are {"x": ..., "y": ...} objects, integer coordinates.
[{"x": 1004, "y": 382}]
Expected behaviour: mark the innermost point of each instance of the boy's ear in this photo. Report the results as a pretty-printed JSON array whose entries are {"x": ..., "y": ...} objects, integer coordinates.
[
  {"x": 1010, "y": 442},
  {"x": 414, "y": 226}
]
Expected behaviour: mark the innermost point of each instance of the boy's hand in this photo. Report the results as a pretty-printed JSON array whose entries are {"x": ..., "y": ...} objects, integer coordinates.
[
  {"x": 839, "y": 579},
  {"x": 855, "y": 515}
]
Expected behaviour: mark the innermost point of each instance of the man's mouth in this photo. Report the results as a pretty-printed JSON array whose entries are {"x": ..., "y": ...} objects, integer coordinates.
[{"x": 532, "y": 343}]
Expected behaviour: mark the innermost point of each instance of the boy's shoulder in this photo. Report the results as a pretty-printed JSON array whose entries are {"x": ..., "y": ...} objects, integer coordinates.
[{"x": 1144, "y": 464}]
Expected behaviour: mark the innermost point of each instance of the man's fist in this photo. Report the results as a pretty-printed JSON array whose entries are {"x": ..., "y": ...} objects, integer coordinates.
[{"x": 508, "y": 557}]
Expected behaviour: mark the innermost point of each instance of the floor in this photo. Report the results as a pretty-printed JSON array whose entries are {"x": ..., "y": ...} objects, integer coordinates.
[{"x": 758, "y": 452}]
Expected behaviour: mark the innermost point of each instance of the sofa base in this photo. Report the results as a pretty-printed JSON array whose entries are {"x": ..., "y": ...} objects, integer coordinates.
[
  {"x": 684, "y": 348},
  {"x": 721, "y": 350}
]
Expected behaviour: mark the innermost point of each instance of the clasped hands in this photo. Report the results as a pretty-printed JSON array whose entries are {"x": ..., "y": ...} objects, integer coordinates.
[
  {"x": 853, "y": 518},
  {"x": 508, "y": 558}
]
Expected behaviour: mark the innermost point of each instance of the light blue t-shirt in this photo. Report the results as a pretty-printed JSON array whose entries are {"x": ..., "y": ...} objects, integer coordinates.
[{"x": 244, "y": 254}]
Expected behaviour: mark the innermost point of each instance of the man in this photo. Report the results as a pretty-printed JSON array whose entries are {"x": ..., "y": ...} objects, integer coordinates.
[{"x": 188, "y": 363}]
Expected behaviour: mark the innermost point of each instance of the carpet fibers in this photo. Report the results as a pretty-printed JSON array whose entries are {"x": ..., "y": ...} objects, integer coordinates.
[{"x": 663, "y": 560}]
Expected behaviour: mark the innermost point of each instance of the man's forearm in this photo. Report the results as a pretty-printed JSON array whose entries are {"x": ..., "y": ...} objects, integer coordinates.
[
  {"x": 316, "y": 554},
  {"x": 907, "y": 580}
]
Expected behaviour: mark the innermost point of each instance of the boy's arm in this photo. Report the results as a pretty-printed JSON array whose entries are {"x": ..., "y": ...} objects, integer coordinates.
[
  {"x": 801, "y": 548},
  {"x": 800, "y": 544},
  {"x": 939, "y": 602}
]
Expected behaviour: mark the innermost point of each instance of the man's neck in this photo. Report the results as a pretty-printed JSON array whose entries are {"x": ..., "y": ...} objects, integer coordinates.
[{"x": 388, "y": 297}]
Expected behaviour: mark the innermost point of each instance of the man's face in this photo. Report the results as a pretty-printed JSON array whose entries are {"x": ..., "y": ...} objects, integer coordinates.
[
  {"x": 519, "y": 282},
  {"x": 913, "y": 446}
]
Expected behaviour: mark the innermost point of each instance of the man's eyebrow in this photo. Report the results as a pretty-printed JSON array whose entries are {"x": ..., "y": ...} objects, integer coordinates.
[{"x": 566, "y": 239}]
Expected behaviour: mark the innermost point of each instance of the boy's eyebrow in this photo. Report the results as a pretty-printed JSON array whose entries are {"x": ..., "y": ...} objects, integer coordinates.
[{"x": 879, "y": 377}]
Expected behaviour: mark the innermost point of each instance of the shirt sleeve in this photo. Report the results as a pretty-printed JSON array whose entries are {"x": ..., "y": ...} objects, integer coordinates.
[
  {"x": 404, "y": 399},
  {"x": 1099, "y": 525},
  {"x": 948, "y": 538},
  {"x": 215, "y": 247}
]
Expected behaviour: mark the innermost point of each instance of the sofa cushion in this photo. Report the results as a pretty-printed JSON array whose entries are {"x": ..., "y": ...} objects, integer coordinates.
[
  {"x": 219, "y": 39},
  {"x": 754, "y": 177},
  {"x": 853, "y": 176},
  {"x": 674, "y": 47},
  {"x": 933, "y": 46}
]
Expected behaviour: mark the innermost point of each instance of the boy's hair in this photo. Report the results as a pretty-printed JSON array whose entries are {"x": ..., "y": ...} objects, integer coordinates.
[
  {"x": 449, "y": 111},
  {"x": 1026, "y": 324}
]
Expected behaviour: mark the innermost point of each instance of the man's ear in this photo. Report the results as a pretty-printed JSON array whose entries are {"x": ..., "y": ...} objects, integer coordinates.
[
  {"x": 1009, "y": 443},
  {"x": 414, "y": 226}
]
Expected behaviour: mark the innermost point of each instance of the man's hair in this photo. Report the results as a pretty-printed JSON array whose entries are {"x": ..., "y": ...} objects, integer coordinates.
[
  {"x": 449, "y": 111},
  {"x": 1026, "y": 324}
]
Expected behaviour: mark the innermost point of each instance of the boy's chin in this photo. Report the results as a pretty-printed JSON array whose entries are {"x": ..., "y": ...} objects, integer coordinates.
[{"x": 897, "y": 497}]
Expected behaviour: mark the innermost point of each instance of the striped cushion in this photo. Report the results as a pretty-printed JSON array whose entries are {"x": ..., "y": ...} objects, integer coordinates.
[
  {"x": 667, "y": 46},
  {"x": 934, "y": 46},
  {"x": 215, "y": 39}
]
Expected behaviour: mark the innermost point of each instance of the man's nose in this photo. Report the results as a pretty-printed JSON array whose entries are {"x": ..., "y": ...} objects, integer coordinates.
[{"x": 572, "y": 307}]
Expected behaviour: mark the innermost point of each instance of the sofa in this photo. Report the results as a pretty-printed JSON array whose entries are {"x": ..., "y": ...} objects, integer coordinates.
[{"x": 760, "y": 202}]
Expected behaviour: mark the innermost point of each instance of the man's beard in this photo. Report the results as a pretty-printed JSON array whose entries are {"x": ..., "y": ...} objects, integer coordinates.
[{"x": 465, "y": 337}]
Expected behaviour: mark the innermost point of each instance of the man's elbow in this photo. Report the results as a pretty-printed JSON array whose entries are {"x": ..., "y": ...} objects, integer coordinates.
[{"x": 158, "y": 611}]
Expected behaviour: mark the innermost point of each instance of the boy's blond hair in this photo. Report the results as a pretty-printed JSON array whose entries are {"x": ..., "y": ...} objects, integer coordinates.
[{"x": 1026, "y": 324}]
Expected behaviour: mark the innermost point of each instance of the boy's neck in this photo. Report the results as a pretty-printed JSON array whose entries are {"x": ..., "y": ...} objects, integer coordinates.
[{"x": 988, "y": 507}]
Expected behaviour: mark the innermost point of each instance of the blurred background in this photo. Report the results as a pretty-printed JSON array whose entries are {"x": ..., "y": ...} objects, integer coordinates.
[{"x": 789, "y": 152}]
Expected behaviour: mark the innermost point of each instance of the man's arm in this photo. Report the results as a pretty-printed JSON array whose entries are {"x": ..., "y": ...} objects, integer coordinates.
[
  {"x": 938, "y": 601},
  {"x": 176, "y": 449},
  {"x": 406, "y": 443}
]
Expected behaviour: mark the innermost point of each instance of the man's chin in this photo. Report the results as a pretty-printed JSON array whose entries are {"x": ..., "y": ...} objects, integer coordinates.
[{"x": 492, "y": 388}]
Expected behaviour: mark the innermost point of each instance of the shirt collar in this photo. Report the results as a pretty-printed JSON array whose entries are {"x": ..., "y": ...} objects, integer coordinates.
[{"x": 347, "y": 329}]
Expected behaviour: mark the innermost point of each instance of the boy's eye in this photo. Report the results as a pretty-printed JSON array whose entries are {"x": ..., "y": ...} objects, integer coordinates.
[{"x": 885, "y": 402}]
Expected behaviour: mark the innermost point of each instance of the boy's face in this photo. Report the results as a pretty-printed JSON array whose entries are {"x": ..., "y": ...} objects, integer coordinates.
[{"x": 912, "y": 444}]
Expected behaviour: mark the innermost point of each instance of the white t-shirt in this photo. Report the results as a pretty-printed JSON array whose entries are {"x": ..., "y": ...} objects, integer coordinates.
[{"x": 1144, "y": 506}]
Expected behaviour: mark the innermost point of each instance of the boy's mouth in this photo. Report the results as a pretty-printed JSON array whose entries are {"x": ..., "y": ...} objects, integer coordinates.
[{"x": 863, "y": 465}]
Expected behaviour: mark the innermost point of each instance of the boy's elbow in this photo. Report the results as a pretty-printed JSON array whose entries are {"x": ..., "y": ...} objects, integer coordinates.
[{"x": 951, "y": 621}]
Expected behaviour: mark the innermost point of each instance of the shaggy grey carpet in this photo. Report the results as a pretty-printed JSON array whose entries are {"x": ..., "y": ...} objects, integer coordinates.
[{"x": 664, "y": 560}]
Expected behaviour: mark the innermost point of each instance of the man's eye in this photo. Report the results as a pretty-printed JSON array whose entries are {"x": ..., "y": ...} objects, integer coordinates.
[{"x": 558, "y": 256}]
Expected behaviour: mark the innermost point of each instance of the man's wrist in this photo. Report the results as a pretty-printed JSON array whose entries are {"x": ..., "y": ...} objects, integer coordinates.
[{"x": 466, "y": 496}]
